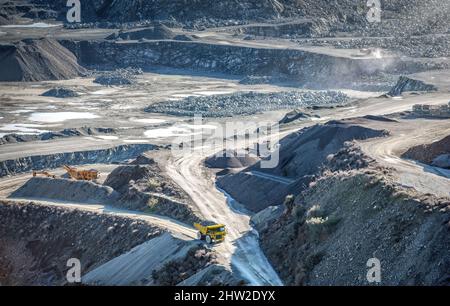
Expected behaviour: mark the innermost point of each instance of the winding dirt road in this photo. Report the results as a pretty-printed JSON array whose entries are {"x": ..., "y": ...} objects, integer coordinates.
[
  {"x": 241, "y": 247},
  {"x": 411, "y": 174}
]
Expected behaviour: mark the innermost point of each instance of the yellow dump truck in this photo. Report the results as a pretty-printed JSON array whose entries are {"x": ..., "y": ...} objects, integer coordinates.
[{"x": 210, "y": 232}]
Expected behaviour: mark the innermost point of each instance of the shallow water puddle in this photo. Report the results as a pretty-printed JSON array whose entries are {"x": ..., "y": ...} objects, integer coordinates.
[{"x": 61, "y": 116}]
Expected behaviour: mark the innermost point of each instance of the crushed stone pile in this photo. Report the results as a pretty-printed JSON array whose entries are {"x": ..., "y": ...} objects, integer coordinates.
[
  {"x": 118, "y": 77},
  {"x": 37, "y": 60},
  {"x": 246, "y": 103}
]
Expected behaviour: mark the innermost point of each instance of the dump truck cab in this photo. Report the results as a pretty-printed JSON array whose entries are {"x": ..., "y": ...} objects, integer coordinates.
[{"x": 210, "y": 232}]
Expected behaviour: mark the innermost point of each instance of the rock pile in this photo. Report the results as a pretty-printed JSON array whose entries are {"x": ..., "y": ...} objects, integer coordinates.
[
  {"x": 60, "y": 92},
  {"x": 246, "y": 103}
]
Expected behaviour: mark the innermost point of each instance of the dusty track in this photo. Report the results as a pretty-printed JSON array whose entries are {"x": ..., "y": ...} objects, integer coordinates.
[
  {"x": 411, "y": 174},
  {"x": 242, "y": 246}
]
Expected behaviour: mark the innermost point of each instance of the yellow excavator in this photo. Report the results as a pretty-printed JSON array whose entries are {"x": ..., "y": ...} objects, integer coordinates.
[
  {"x": 210, "y": 232},
  {"x": 43, "y": 173},
  {"x": 82, "y": 175}
]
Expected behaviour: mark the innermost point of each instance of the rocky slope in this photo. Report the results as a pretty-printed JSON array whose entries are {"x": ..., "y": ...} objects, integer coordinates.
[
  {"x": 39, "y": 162},
  {"x": 37, "y": 241},
  {"x": 327, "y": 234},
  {"x": 37, "y": 60},
  {"x": 312, "y": 69},
  {"x": 436, "y": 153},
  {"x": 66, "y": 190}
]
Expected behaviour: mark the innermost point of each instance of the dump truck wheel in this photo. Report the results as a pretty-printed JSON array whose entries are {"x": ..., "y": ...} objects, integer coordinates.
[
  {"x": 208, "y": 239},
  {"x": 199, "y": 236}
]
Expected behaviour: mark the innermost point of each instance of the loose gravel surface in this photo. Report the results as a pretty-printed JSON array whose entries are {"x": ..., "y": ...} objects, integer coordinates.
[{"x": 246, "y": 103}]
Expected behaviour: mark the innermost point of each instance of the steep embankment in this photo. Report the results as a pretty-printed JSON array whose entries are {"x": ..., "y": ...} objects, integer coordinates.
[
  {"x": 37, "y": 60},
  {"x": 145, "y": 188},
  {"x": 37, "y": 241},
  {"x": 39, "y": 162},
  {"x": 327, "y": 234},
  {"x": 301, "y": 157},
  {"x": 73, "y": 132}
]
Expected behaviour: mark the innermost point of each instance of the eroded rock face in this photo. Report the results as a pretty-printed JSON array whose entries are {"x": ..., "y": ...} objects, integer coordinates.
[
  {"x": 40, "y": 162},
  {"x": 308, "y": 68},
  {"x": 60, "y": 92},
  {"x": 36, "y": 241}
]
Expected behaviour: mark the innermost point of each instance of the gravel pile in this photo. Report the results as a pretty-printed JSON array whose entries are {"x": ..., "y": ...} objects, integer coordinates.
[
  {"x": 60, "y": 92},
  {"x": 37, "y": 240},
  {"x": 73, "y": 132},
  {"x": 406, "y": 84},
  {"x": 118, "y": 77},
  {"x": 247, "y": 103}
]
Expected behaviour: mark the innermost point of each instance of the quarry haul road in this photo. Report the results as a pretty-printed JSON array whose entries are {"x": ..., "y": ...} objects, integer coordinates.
[
  {"x": 411, "y": 174},
  {"x": 241, "y": 247}
]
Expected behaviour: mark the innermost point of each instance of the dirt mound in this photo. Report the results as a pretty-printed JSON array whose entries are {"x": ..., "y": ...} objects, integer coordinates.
[
  {"x": 37, "y": 241},
  {"x": 37, "y": 60},
  {"x": 121, "y": 176},
  {"x": 118, "y": 77},
  {"x": 60, "y": 92},
  {"x": 302, "y": 155},
  {"x": 405, "y": 84},
  {"x": 230, "y": 159},
  {"x": 66, "y": 190},
  {"x": 432, "y": 154},
  {"x": 145, "y": 188},
  {"x": 328, "y": 233},
  {"x": 39, "y": 162},
  {"x": 143, "y": 160},
  {"x": 295, "y": 115}
]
